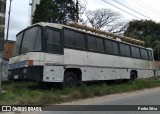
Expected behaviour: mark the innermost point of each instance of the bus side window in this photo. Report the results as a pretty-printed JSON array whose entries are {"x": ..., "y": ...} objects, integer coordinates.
[
  {"x": 133, "y": 51},
  {"x": 74, "y": 39},
  {"x": 122, "y": 49},
  {"x": 138, "y": 52},
  {"x": 50, "y": 41},
  {"x": 57, "y": 42},
  {"x": 80, "y": 41},
  {"x": 100, "y": 45},
  {"x": 144, "y": 54},
  {"x": 54, "y": 43},
  {"x": 109, "y": 46},
  {"x": 150, "y": 55},
  {"x": 91, "y": 43},
  {"x": 115, "y": 48},
  {"x": 128, "y": 52},
  {"x": 69, "y": 38}
]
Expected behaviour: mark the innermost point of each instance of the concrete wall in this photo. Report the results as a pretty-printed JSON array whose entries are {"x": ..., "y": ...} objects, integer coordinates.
[
  {"x": 5, "y": 70},
  {"x": 8, "y": 49}
]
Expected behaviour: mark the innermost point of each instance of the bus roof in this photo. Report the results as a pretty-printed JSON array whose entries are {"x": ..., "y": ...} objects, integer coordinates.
[{"x": 60, "y": 26}]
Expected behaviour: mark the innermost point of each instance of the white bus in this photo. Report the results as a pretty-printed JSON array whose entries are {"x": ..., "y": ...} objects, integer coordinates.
[{"x": 48, "y": 52}]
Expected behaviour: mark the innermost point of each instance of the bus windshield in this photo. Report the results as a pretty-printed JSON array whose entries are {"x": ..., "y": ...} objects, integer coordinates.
[{"x": 27, "y": 41}]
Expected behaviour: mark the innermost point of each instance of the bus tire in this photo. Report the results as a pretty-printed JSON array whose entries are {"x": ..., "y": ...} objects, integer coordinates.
[
  {"x": 133, "y": 76},
  {"x": 70, "y": 80}
]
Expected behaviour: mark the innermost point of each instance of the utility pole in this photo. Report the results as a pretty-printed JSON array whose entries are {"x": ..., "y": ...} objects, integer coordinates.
[
  {"x": 77, "y": 11},
  {"x": 9, "y": 12},
  {"x": 2, "y": 28},
  {"x": 33, "y": 4},
  {"x": 1, "y": 64},
  {"x": 158, "y": 53}
]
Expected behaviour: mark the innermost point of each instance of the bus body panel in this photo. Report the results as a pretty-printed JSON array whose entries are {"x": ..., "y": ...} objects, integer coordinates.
[
  {"x": 53, "y": 73},
  {"x": 53, "y": 69},
  {"x": 94, "y": 66},
  {"x": 48, "y": 66},
  {"x": 84, "y": 58},
  {"x": 75, "y": 57}
]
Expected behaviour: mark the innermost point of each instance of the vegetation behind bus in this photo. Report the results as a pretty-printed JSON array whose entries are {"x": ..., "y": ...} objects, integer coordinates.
[
  {"x": 32, "y": 93},
  {"x": 148, "y": 31}
]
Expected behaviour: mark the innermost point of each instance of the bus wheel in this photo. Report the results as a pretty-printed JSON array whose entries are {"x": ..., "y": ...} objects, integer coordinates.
[
  {"x": 133, "y": 76},
  {"x": 70, "y": 79}
]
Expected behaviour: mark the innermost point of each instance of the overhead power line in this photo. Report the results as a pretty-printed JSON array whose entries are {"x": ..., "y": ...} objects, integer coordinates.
[
  {"x": 131, "y": 9},
  {"x": 120, "y": 9},
  {"x": 148, "y": 6},
  {"x": 141, "y": 7}
]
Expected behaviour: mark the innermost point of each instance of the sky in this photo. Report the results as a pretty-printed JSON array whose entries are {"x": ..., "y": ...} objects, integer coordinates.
[{"x": 21, "y": 11}]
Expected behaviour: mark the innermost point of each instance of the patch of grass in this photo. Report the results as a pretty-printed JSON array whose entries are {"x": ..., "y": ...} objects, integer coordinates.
[
  {"x": 85, "y": 91},
  {"x": 31, "y": 93},
  {"x": 76, "y": 94}
]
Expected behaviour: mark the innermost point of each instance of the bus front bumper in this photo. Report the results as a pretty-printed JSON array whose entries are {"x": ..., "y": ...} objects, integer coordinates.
[{"x": 34, "y": 73}]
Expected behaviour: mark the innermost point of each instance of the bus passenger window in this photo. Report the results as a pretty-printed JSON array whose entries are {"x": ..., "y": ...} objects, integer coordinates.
[
  {"x": 122, "y": 49},
  {"x": 108, "y": 44},
  {"x": 138, "y": 53},
  {"x": 100, "y": 46},
  {"x": 54, "y": 44},
  {"x": 144, "y": 54},
  {"x": 150, "y": 55},
  {"x": 69, "y": 38},
  {"x": 128, "y": 52},
  {"x": 115, "y": 48},
  {"x": 91, "y": 43},
  {"x": 80, "y": 40}
]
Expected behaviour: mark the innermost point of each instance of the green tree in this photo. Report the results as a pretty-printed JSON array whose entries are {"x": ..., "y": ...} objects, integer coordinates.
[
  {"x": 55, "y": 11},
  {"x": 45, "y": 11},
  {"x": 143, "y": 30},
  {"x": 66, "y": 11},
  {"x": 146, "y": 30}
]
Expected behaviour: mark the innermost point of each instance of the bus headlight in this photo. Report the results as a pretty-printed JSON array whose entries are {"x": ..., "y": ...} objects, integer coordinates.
[{"x": 25, "y": 70}]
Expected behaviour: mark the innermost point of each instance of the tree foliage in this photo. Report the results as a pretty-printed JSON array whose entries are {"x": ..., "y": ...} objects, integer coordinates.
[
  {"x": 146, "y": 30},
  {"x": 66, "y": 11},
  {"x": 55, "y": 11},
  {"x": 106, "y": 19},
  {"x": 45, "y": 11}
]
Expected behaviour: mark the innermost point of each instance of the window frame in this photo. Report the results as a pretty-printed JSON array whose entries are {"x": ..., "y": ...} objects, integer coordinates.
[
  {"x": 145, "y": 50},
  {"x": 61, "y": 41},
  {"x": 127, "y": 50},
  {"x": 101, "y": 51},
  {"x": 123, "y": 49},
  {"x": 151, "y": 58},
  {"x": 78, "y": 38},
  {"x": 110, "y": 51},
  {"x": 76, "y": 31}
]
